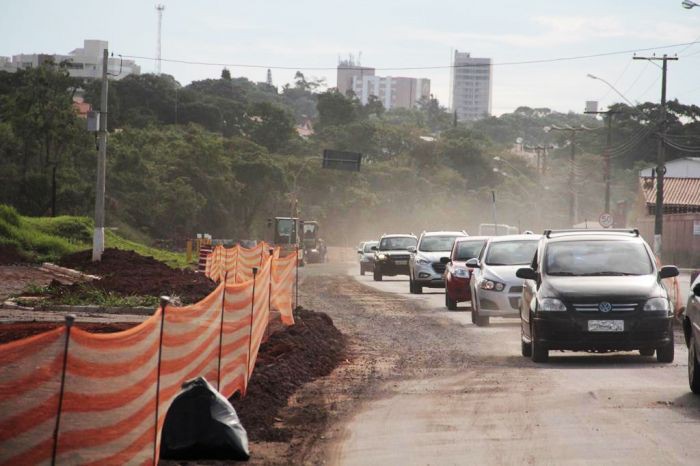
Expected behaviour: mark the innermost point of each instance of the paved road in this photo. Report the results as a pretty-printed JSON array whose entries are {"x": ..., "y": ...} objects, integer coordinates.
[{"x": 503, "y": 409}]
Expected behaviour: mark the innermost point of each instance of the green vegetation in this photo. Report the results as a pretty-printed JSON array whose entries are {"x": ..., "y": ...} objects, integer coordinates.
[
  {"x": 86, "y": 295},
  {"x": 221, "y": 156},
  {"x": 46, "y": 239}
]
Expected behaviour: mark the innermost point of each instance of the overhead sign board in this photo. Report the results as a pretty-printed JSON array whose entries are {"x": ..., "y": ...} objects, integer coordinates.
[{"x": 342, "y": 160}]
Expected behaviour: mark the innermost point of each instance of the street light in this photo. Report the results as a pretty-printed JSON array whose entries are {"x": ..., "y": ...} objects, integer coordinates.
[
  {"x": 612, "y": 87},
  {"x": 687, "y": 4}
]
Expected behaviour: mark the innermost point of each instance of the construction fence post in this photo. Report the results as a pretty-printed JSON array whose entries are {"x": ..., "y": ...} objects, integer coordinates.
[
  {"x": 70, "y": 318},
  {"x": 221, "y": 332},
  {"x": 164, "y": 301},
  {"x": 250, "y": 334}
]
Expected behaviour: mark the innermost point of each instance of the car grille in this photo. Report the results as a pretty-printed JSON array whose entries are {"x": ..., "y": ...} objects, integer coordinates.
[
  {"x": 439, "y": 267},
  {"x": 398, "y": 258},
  {"x": 515, "y": 289},
  {"x": 616, "y": 307}
]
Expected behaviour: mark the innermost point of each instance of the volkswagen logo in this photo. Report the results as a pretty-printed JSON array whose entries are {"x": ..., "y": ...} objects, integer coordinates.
[{"x": 605, "y": 307}]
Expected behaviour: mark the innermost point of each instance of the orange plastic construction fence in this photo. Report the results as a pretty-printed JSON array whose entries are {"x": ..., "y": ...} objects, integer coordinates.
[{"x": 73, "y": 397}]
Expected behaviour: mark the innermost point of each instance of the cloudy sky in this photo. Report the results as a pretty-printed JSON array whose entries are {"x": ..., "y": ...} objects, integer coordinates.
[{"x": 389, "y": 34}]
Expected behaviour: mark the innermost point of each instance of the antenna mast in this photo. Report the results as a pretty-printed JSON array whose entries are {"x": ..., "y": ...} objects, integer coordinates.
[{"x": 159, "y": 9}]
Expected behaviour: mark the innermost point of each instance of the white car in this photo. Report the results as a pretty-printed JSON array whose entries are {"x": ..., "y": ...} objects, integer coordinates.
[
  {"x": 425, "y": 266},
  {"x": 496, "y": 291}
]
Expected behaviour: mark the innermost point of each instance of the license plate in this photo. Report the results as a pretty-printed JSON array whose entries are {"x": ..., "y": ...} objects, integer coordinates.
[
  {"x": 606, "y": 325},
  {"x": 401, "y": 262}
]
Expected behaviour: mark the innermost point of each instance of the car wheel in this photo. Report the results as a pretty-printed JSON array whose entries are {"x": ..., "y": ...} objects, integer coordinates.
[
  {"x": 647, "y": 351},
  {"x": 693, "y": 367},
  {"x": 450, "y": 304},
  {"x": 665, "y": 353},
  {"x": 539, "y": 353},
  {"x": 411, "y": 286},
  {"x": 479, "y": 320},
  {"x": 362, "y": 270},
  {"x": 417, "y": 289},
  {"x": 377, "y": 275}
]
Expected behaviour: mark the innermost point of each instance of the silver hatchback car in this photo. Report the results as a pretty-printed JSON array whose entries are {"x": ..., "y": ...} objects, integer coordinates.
[
  {"x": 496, "y": 291},
  {"x": 425, "y": 265}
]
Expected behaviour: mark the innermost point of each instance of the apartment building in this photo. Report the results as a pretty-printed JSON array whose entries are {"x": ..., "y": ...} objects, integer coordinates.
[
  {"x": 347, "y": 71},
  {"x": 84, "y": 62},
  {"x": 472, "y": 82},
  {"x": 392, "y": 92}
]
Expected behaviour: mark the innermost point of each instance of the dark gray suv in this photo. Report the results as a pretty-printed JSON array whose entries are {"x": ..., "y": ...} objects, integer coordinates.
[{"x": 595, "y": 290}]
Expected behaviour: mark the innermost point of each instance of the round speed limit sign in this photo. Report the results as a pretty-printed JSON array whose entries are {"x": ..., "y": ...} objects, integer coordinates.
[{"x": 606, "y": 220}]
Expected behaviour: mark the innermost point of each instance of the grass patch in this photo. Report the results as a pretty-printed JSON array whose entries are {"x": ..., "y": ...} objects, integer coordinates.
[
  {"x": 46, "y": 239},
  {"x": 87, "y": 295}
]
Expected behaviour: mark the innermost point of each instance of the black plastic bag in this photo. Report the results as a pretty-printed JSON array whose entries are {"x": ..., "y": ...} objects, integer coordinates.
[{"x": 202, "y": 424}]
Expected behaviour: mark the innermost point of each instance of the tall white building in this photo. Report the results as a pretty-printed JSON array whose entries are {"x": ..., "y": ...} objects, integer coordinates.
[
  {"x": 392, "y": 92},
  {"x": 472, "y": 82},
  {"x": 84, "y": 62}
]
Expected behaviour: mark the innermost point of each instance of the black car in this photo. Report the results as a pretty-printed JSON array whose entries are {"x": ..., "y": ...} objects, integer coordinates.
[
  {"x": 691, "y": 329},
  {"x": 595, "y": 290},
  {"x": 391, "y": 255}
]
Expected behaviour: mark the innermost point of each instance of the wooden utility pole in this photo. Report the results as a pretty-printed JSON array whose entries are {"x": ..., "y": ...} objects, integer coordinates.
[
  {"x": 661, "y": 156},
  {"x": 98, "y": 239}
]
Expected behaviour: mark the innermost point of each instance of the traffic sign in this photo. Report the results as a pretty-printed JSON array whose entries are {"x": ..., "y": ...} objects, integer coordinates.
[{"x": 606, "y": 220}]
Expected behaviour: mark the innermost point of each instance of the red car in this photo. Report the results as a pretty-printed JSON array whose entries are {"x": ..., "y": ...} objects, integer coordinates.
[{"x": 457, "y": 274}]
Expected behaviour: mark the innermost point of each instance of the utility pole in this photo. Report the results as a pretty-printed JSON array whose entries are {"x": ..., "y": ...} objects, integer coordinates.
[
  {"x": 495, "y": 225},
  {"x": 98, "y": 239},
  {"x": 573, "y": 194},
  {"x": 606, "y": 155},
  {"x": 661, "y": 156}
]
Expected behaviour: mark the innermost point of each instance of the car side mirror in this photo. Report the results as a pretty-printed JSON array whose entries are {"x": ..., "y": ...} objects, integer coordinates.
[
  {"x": 359, "y": 251},
  {"x": 411, "y": 249},
  {"x": 374, "y": 248},
  {"x": 668, "y": 271},
  {"x": 526, "y": 273},
  {"x": 445, "y": 260},
  {"x": 696, "y": 290},
  {"x": 473, "y": 263}
]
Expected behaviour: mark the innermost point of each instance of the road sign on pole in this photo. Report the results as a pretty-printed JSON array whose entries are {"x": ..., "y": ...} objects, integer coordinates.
[
  {"x": 606, "y": 220},
  {"x": 341, "y": 160}
]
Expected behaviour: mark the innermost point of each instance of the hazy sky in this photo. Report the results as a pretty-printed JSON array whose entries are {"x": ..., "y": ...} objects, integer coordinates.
[{"x": 406, "y": 33}]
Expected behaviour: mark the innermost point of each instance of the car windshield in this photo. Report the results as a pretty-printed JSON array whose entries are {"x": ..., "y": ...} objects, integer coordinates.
[
  {"x": 468, "y": 249},
  {"x": 590, "y": 258},
  {"x": 368, "y": 246},
  {"x": 436, "y": 243},
  {"x": 397, "y": 243},
  {"x": 511, "y": 252}
]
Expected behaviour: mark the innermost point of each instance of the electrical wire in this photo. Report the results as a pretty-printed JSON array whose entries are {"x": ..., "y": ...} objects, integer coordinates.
[{"x": 408, "y": 68}]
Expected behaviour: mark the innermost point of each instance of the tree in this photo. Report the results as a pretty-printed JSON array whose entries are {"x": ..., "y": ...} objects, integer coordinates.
[
  {"x": 335, "y": 109},
  {"x": 269, "y": 125},
  {"x": 226, "y": 74}
]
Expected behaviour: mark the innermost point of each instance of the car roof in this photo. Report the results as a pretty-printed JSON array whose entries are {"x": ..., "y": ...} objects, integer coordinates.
[
  {"x": 399, "y": 235},
  {"x": 597, "y": 236},
  {"x": 472, "y": 238},
  {"x": 444, "y": 233},
  {"x": 503, "y": 238},
  {"x": 370, "y": 241}
]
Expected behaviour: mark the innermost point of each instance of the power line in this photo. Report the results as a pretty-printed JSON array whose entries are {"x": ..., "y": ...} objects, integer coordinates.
[{"x": 408, "y": 68}]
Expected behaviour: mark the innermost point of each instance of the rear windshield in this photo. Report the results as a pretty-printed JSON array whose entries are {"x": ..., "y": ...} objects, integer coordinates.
[
  {"x": 436, "y": 243},
  {"x": 468, "y": 249},
  {"x": 398, "y": 243},
  {"x": 590, "y": 258},
  {"x": 511, "y": 252}
]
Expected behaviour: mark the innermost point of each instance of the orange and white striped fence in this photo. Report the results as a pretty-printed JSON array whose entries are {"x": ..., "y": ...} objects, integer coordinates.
[{"x": 73, "y": 397}]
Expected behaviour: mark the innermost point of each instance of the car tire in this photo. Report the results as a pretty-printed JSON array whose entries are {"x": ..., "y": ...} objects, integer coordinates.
[
  {"x": 479, "y": 320},
  {"x": 693, "y": 368},
  {"x": 525, "y": 348},
  {"x": 411, "y": 285},
  {"x": 377, "y": 275},
  {"x": 450, "y": 304},
  {"x": 665, "y": 354},
  {"x": 417, "y": 289},
  {"x": 647, "y": 351},
  {"x": 362, "y": 270},
  {"x": 539, "y": 353}
]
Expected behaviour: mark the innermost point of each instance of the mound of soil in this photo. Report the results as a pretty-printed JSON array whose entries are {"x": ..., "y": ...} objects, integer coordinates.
[
  {"x": 309, "y": 349},
  {"x": 10, "y": 256},
  {"x": 129, "y": 273}
]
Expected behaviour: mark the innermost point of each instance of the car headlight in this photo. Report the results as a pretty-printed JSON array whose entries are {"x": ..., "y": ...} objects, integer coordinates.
[
  {"x": 551, "y": 305},
  {"x": 657, "y": 304},
  {"x": 491, "y": 285},
  {"x": 422, "y": 261},
  {"x": 381, "y": 257},
  {"x": 460, "y": 272}
]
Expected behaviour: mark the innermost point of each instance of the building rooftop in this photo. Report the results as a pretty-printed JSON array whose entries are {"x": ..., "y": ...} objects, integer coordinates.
[{"x": 678, "y": 192}]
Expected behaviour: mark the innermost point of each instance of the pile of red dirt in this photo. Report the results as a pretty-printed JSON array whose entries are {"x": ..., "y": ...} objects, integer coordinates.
[
  {"x": 18, "y": 330},
  {"x": 129, "y": 273},
  {"x": 309, "y": 349},
  {"x": 10, "y": 256}
]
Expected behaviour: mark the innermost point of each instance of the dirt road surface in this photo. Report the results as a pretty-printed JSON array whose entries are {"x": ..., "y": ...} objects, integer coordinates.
[{"x": 428, "y": 387}]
